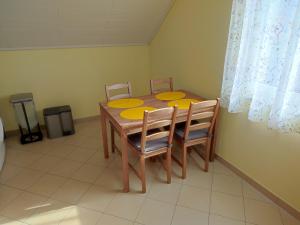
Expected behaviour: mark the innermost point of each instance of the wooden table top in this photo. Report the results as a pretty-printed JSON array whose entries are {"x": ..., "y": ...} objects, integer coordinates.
[{"x": 150, "y": 101}]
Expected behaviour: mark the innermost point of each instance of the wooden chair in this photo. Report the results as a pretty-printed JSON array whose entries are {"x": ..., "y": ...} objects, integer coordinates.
[
  {"x": 153, "y": 140},
  {"x": 160, "y": 82},
  {"x": 198, "y": 129},
  {"x": 119, "y": 86},
  {"x": 109, "y": 97}
]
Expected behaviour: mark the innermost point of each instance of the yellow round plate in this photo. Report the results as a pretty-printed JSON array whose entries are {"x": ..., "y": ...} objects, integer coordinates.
[
  {"x": 135, "y": 113},
  {"x": 170, "y": 95},
  {"x": 125, "y": 103},
  {"x": 182, "y": 103}
]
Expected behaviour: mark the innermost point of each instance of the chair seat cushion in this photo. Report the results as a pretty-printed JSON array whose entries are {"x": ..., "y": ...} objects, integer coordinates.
[
  {"x": 135, "y": 140},
  {"x": 179, "y": 131}
]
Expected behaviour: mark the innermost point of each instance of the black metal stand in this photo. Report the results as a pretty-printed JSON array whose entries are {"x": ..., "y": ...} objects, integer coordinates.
[{"x": 30, "y": 136}]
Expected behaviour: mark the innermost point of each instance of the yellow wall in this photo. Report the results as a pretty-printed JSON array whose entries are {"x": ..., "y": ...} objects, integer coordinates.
[
  {"x": 70, "y": 76},
  {"x": 190, "y": 46}
]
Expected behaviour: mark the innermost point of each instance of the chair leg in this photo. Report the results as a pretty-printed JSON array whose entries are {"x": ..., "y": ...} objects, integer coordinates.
[
  {"x": 143, "y": 176},
  {"x": 169, "y": 167},
  {"x": 112, "y": 135},
  {"x": 207, "y": 154},
  {"x": 183, "y": 160}
]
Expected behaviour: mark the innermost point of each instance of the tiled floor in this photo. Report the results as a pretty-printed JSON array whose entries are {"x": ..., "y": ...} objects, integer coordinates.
[{"x": 67, "y": 181}]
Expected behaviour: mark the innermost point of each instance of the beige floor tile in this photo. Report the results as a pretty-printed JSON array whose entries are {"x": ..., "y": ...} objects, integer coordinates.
[
  {"x": 227, "y": 205},
  {"x": 65, "y": 168},
  {"x": 47, "y": 184},
  {"x": 112, "y": 220},
  {"x": 2, "y": 218},
  {"x": 12, "y": 142},
  {"x": 252, "y": 193},
  {"x": 189, "y": 217},
  {"x": 103, "y": 203},
  {"x": 80, "y": 154},
  {"x": 125, "y": 205},
  {"x": 155, "y": 213},
  {"x": 261, "y": 213},
  {"x": 91, "y": 142},
  {"x": 88, "y": 173},
  {"x": 22, "y": 206},
  {"x": 7, "y": 194},
  {"x": 6, "y": 221},
  {"x": 111, "y": 179},
  {"x": 227, "y": 184},
  {"x": 288, "y": 219},
  {"x": 97, "y": 198},
  {"x": 219, "y": 220},
  {"x": 24, "y": 179},
  {"x": 8, "y": 172},
  {"x": 45, "y": 163},
  {"x": 21, "y": 158},
  {"x": 116, "y": 164},
  {"x": 61, "y": 150},
  {"x": 195, "y": 198},
  {"x": 198, "y": 178},
  {"x": 54, "y": 141},
  {"x": 74, "y": 140},
  {"x": 81, "y": 216},
  {"x": 71, "y": 191},
  {"x": 168, "y": 193},
  {"x": 12, "y": 154},
  {"x": 221, "y": 169},
  {"x": 40, "y": 147},
  {"x": 98, "y": 159},
  {"x": 51, "y": 212}
]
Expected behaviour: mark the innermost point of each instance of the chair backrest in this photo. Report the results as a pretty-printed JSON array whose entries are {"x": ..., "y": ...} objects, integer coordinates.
[
  {"x": 205, "y": 113},
  {"x": 154, "y": 121},
  {"x": 110, "y": 88},
  {"x": 156, "y": 85}
]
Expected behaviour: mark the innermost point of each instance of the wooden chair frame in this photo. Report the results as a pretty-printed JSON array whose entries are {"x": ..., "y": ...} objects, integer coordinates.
[
  {"x": 156, "y": 119},
  {"x": 198, "y": 111},
  {"x": 161, "y": 81},
  {"x": 108, "y": 89}
]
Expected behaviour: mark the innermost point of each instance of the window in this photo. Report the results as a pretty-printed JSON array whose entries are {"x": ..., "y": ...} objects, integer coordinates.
[{"x": 262, "y": 65}]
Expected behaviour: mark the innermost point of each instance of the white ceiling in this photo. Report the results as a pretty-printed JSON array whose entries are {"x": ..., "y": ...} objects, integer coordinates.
[{"x": 79, "y": 23}]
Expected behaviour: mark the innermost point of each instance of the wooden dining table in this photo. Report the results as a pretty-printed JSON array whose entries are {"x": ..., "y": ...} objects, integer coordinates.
[{"x": 126, "y": 127}]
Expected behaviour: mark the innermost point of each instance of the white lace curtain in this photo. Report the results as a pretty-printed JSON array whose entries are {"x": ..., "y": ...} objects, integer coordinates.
[{"x": 262, "y": 65}]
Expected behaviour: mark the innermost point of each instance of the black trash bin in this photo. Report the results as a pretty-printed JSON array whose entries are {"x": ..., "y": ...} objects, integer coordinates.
[{"x": 59, "y": 121}]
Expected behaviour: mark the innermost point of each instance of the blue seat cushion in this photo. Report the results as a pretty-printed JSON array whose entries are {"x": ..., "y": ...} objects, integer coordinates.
[
  {"x": 179, "y": 131},
  {"x": 135, "y": 140}
]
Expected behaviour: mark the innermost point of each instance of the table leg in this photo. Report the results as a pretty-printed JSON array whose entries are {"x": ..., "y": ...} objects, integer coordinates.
[
  {"x": 125, "y": 171},
  {"x": 104, "y": 133}
]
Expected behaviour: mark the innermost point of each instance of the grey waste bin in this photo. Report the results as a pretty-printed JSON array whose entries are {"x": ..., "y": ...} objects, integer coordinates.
[{"x": 59, "y": 121}]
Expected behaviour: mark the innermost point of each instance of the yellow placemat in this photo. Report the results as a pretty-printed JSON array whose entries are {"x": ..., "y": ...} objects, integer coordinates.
[
  {"x": 170, "y": 95},
  {"x": 125, "y": 103},
  {"x": 182, "y": 103},
  {"x": 135, "y": 113}
]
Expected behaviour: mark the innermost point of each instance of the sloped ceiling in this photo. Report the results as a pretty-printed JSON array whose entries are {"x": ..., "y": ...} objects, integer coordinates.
[{"x": 26, "y": 24}]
